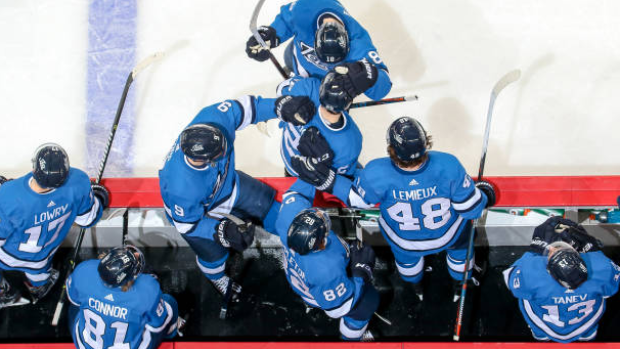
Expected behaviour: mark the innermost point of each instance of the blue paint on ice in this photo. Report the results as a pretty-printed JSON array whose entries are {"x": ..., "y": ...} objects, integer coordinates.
[{"x": 111, "y": 56}]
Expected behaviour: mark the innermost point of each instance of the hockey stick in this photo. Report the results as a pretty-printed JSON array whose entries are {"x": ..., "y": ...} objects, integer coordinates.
[
  {"x": 385, "y": 101},
  {"x": 136, "y": 70},
  {"x": 256, "y": 34},
  {"x": 499, "y": 86}
]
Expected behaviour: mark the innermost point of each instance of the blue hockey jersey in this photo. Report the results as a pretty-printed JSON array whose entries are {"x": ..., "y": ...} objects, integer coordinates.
[
  {"x": 33, "y": 225},
  {"x": 109, "y": 317},
  {"x": 319, "y": 278},
  {"x": 189, "y": 192},
  {"x": 300, "y": 20},
  {"x": 346, "y": 141},
  {"x": 558, "y": 313},
  {"x": 422, "y": 211}
]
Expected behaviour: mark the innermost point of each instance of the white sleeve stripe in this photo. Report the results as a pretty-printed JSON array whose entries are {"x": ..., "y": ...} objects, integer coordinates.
[
  {"x": 168, "y": 318},
  {"x": 71, "y": 299},
  {"x": 248, "y": 111},
  {"x": 181, "y": 227},
  {"x": 355, "y": 200},
  {"x": 507, "y": 275},
  {"x": 342, "y": 310},
  {"x": 77, "y": 335},
  {"x": 469, "y": 203},
  {"x": 284, "y": 84},
  {"x": 88, "y": 217}
]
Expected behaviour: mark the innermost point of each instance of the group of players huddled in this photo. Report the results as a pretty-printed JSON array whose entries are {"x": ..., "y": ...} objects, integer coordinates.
[{"x": 426, "y": 201}]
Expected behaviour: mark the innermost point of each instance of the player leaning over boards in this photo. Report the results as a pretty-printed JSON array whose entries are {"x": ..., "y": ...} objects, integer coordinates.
[
  {"x": 325, "y": 36},
  {"x": 199, "y": 182},
  {"x": 562, "y": 282},
  {"x": 426, "y": 199},
  {"x": 113, "y": 305},
  {"x": 332, "y": 136},
  {"x": 36, "y": 213},
  {"x": 316, "y": 261}
]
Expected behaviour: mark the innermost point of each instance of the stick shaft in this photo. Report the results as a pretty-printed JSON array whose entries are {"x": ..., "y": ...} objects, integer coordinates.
[
  {"x": 119, "y": 110},
  {"x": 510, "y": 77},
  {"x": 385, "y": 101}
]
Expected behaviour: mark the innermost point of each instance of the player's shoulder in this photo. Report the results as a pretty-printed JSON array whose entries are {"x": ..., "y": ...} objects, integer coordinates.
[
  {"x": 379, "y": 164},
  {"x": 444, "y": 158},
  {"x": 85, "y": 270},
  {"x": 148, "y": 290},
  {"x": 77, "y": 178},
  {"x": 600, "y": 267},
  {"x": 12, "y": 186}
]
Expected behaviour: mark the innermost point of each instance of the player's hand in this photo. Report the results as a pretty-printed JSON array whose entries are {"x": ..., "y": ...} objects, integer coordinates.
[
  {"x": 255, "y": 51},
  {"x": 489, "y": 191},
  {"x": 362, "y": 260},
  {"x": 312, "y": 144},
  {"x": 321, "y": 176},
  {"x": 101, "y": 193},
  {"x": 4, "y": 180},
  {"x": 562, "y": 229},
  {"x": 361, "y": 76},
  {"x": 297, "y": 110},
  {"x": 233, "y": 235}
]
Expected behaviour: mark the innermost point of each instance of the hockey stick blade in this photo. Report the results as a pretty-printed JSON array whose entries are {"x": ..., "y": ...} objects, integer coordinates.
[
  {"x": 259, "y": 39},
  {"x": 507, "y": 79},
  {"x": 254, "y": 25},
  {"x": 146, "y": 62}
]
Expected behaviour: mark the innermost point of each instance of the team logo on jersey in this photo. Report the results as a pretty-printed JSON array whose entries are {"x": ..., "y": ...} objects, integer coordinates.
[
  {"x": 516, "y": 283},
  {"x": 308, "y": 52},
  {"x": 51, "y": 204},
  {"x": 467, "y": 181},
  {"x": 109, "y": 297},
  {"x": 413, "y": 182}
]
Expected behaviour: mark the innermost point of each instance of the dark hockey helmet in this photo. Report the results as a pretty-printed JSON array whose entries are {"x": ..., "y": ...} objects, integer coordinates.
[
  {"x": 50, "y": 165},
  {"x": 331, "y": 42},
  {"x": 332, "y": 94},
  {"x": 408, "y": 138},
  {"x": 566, "y": 265},
  {"x": 203, "y": 142},
  {"x": 121, "y": 265},
  {"x": 308, "y": 230}
]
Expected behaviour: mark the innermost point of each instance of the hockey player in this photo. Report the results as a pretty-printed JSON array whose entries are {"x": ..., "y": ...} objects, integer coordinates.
[
  {"x": 426, "y": 198},
  {"x": 562, "y": 291},
  {"x": 325, "y": 36},
  {"x": 36, "y": 213},
  {"x": 200, "y": 186},
  {"x": 332, "y": 136},
  {"x": 113, "y": 305},
  {"x": 316, "y": 261}
]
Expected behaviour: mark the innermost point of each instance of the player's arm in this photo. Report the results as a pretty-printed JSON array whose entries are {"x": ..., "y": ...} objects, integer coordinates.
[
  {"x": 72, "y": 285},
  {"x": 514, "y": 279},
  {"x": 337, "y": 296},
  {"x": 95, "y": 198},
  {"x": 161, "y": 314},
  {"x": 247, "y": 110},
  {"x": 467, "y": 199},
  {"x": 284, "y": 23},
  {"x": 610, "y": 286},
  {"x": 279, "y": 31}
]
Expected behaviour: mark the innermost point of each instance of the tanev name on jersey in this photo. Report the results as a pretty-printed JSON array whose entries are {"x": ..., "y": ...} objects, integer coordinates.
[
  {"x": 416, "y": 194},
  {"x": 49, "y": 215}
]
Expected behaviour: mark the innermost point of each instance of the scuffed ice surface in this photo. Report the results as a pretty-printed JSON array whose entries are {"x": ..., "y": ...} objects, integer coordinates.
[{"x": 111, "y": 56}]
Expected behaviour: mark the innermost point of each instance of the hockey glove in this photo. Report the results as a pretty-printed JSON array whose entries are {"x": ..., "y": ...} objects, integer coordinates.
[
  {"x": 101, "y": 193},
  {"x": 255, "y": 51},
  {"x": 297, "y": 110},
  {"x": 312, "y": 144},
  {"x": 561, "y": 229},
  {"x": 4, "y": 180},
  {"x": 360, "y": 75},
  {"x": 489, "y": 191},
  {"x": 321, "y": 176},
  {"x": 362, "y": 261},
  {"x": 233, "y": 235}
]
